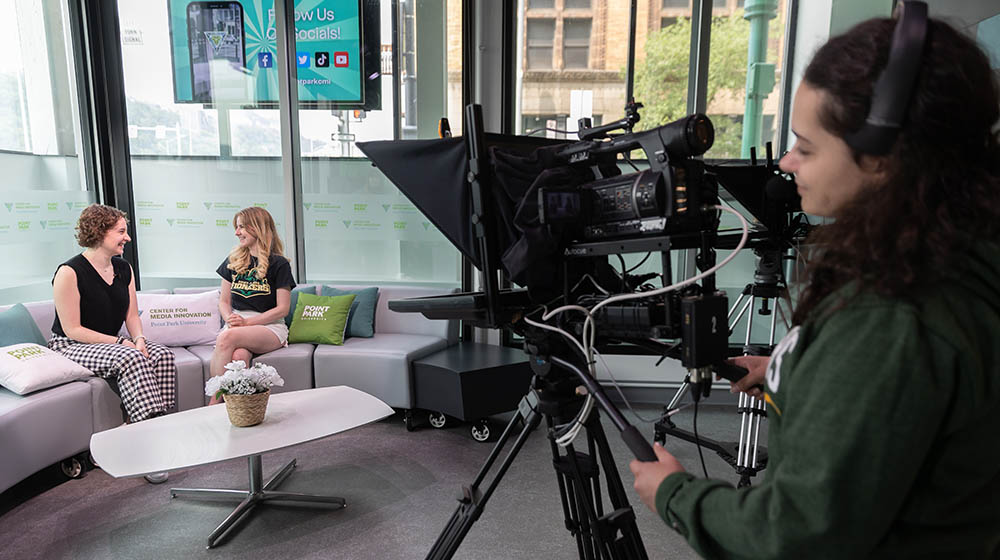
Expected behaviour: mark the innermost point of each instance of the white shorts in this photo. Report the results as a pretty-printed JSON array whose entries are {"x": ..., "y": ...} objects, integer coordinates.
[{"x": 279, "y": 328}]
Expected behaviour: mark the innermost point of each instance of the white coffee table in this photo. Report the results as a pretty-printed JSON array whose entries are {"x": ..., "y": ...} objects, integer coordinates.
[{"x": 205, "y": 435}]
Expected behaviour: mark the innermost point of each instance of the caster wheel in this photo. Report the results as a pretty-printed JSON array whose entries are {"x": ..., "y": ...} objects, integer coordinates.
[
  {"x": 408, "y": 421},
  {"x": 481, "y": 430},
  {"x": 91, "y": 462},
  {"x": 437, "y": 420},
  {"x": 73, "y": 468}
]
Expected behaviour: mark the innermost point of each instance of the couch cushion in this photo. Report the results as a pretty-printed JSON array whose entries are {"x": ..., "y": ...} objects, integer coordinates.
[
  {"x": 44, "y": 314},
  {"x": 388, "y": 321},
  {"x": 294, "y": 364},
  {"x": 27, "y": 367},
  {"x": 320, "y": 319},
  {"x": 379, "y": 366},
  {"x": 42, "y": 428},
  {"x": 190, "y": 378},
  {"x": 17, "y": 325},
  {"x": 361, "y": 321}
]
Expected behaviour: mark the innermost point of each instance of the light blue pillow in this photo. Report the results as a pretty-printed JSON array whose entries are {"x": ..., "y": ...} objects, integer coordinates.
[
  {"x": 17, "y": 326},
  {"x": 295, "y": 299},
  {"x": 361, "y": 321}
]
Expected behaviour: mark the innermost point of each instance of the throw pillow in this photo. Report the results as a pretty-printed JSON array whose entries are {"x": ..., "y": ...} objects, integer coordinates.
[
  {"x": 180, "y": 319},
  {"x": 29, "y": 367},
  {"x": 320, "y": 319},
  {"x": 362, "y": 319},
  {"x": 17, "y": 325},
  {"x": 295, "y": 298}
]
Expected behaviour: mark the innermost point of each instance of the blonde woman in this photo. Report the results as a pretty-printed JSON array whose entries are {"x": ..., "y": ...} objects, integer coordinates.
[{"x": 256, "y": 290}]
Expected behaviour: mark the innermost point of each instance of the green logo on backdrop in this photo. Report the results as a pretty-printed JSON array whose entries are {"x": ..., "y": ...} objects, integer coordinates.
[
  {"x": 399, "y": 225},
  {"x": 8, "y": 205},
  {"x": 360, "y": 207},
  {"x": 42, "y": 222},
  {"x": 322, "y": 223},
  {"x": 260, "y": 204},
  {"x": 53, "y": 206},
  {"x": 69, "y": 205},
  {"x": 426, "y": 225},
  {"x": 145, "y": 221},
  {"x": 308, "y": 205},
  {"x": 386, "y": 207},
  {"x": 23, "y": 226},
  {"x": 208, "y": 205},
  {"x": 183, "y": 205},
  {"x": 170, "y": 221},
  {"x": 222, "y": 223},
  {"x": 347, "y": 224}
]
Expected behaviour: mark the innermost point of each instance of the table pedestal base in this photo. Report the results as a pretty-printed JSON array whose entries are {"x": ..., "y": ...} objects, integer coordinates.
[{"x": 258, "y": 494}]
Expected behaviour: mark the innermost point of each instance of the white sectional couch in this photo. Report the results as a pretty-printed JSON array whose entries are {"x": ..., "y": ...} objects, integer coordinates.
[{"x": 45, "y": 427}]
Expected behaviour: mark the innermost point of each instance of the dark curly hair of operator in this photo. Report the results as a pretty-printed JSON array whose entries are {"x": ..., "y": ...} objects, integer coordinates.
[
  {"x": 95, "y": 222},
  {"x": 943, "y": 188}
]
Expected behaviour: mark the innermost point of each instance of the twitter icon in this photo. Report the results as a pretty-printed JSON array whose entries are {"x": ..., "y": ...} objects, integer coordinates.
[{"x": 303, "y": 59}]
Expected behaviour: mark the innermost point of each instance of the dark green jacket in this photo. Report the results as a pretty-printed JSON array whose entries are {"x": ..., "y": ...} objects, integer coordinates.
[{"x": 884, "y": 435}]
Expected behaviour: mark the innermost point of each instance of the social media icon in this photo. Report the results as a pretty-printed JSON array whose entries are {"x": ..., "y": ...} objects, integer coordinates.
[
  {"x": 265, "y": 59},
  {"x": 322, "y": 59},
  {"x": 340, "y": 59},
  {"x": 303, "y": 59}
]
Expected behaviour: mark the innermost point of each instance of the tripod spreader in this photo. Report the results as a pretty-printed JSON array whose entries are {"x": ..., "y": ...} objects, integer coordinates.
[{"x": 630, "y": 435}]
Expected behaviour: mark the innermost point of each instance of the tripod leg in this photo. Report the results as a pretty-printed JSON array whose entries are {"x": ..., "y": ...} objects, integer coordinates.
[
  {"x": 614, "y": 535},
  {"x": 472, "y": 502}
]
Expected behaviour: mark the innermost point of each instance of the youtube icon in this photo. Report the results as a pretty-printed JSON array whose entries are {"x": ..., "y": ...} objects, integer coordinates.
[{"x": 340, "y": 59}]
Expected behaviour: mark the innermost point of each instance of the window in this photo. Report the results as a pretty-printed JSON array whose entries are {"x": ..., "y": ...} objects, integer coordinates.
[
  {"x": 576, "y": 42},
  {"x": 541, "y": 4},
  {"x": 45, "y": 182},
  {"x": 684, "y": 4},
  {"x": 577, "y": 4},
  {"x": 541, "y": 34},
  {"x": 667, "y": 21},
  {"x": 737, "y": 122}
]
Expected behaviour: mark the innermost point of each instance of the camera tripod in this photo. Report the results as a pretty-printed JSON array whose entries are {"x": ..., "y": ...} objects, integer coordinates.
[
  {"x": 746, "y": 456},
  {"x": 599, "y": 534}
]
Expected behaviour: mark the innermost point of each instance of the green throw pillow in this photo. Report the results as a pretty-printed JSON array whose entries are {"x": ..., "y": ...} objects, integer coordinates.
[
  {"x": 320, "y": 319},
  {"x": 295, "y": 298},
  {"x": 17, "y": 326},
  {"x": 361, "y": 322}
]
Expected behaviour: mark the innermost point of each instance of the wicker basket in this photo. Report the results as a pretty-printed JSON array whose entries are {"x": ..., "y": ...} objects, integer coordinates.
[{"x": 247, "y": 410}]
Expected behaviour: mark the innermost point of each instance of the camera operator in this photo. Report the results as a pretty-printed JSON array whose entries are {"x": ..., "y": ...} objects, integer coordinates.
[{"x": 884, "y": 398}]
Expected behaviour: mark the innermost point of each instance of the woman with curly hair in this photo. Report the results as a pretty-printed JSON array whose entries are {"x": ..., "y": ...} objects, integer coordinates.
[
  {"x": 94, "y": 295},
  {"x": 256, "y": 291},
  {"x": 884, "y": 398}
]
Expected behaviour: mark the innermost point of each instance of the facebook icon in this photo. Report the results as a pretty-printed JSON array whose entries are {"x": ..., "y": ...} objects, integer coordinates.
[{"x": 264, "y": 59}]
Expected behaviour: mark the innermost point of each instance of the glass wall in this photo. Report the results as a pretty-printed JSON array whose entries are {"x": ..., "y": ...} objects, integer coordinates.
[
  {"x": 194, "y": 165},
  {"x": 358, "y": 226},
  {"x": 45, "y": 179}
]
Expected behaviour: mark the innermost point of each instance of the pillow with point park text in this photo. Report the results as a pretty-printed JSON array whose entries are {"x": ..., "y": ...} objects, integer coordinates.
[{"x": 320, "y": 319}]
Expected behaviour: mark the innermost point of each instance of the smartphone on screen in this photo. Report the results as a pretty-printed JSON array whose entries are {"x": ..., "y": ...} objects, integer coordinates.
[{"x": 218, "y": 51}]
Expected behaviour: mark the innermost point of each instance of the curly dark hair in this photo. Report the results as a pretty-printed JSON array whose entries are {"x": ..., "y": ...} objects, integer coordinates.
[
  {"x": 95, "y": 222},
  {"x": 943, "y": 186}
]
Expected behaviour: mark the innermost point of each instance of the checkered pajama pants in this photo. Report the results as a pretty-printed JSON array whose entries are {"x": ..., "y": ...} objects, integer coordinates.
[{"x": 147, "y": 385}]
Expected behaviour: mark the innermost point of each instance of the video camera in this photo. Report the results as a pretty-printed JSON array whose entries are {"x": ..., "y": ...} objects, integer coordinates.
[{"x": 551, "y": 212}]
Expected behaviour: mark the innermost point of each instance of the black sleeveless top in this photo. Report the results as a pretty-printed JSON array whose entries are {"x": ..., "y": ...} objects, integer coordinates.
[{"x": 102, "y": 307}]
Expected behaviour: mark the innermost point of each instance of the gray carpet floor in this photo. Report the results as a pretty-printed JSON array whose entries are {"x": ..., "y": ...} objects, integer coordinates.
[{"x": 401, "y": 489}]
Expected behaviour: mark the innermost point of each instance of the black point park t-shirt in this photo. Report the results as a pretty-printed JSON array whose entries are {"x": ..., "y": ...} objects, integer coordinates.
[{"x": 249, "y": 293}]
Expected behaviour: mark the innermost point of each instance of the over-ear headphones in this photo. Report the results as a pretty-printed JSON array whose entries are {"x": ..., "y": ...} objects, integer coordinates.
[{"x": 894, "y": 86}]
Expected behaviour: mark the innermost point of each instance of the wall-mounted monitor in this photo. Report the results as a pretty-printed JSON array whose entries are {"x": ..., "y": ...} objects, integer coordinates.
[{"x": 224, "y": 53}]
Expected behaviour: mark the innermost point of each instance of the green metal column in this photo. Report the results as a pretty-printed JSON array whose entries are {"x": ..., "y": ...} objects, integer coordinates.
[{"x": 760, "y": 73}]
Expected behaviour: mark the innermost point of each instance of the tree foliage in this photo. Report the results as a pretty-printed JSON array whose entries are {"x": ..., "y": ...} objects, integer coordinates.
[{"x": 661, "y": 78}]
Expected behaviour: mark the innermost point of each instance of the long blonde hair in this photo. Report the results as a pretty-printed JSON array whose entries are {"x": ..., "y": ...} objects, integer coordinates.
[{"x": 258, "y": 223}]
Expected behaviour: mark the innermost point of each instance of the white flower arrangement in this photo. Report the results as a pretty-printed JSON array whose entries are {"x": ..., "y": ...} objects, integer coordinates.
[{"x": 241, "y": 380}]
